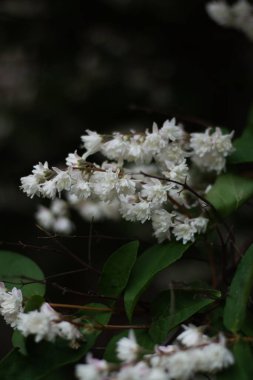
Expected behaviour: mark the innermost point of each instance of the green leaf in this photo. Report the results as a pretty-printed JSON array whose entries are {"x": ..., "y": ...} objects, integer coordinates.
[
  {"x": 18, "y": 341},
  {"x": 229, "y": 192},
  {"x": 148, "y": 265},
  {"x": 33, "y": 303},
  {"x": 117, "y": 270},
  {"x": 243, "y": 367},
  {"x": 172, "y": 308},
  {"x": 17, "y": 270},
  {"x": 142, "y": 337},
  {"x": 239, "y": 292},
  {"x": 243, "y": 145},
  {"x": 44, "y": 358}
]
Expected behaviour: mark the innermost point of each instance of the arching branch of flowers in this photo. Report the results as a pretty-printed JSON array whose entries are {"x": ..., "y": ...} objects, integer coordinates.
[{"x": 216, "y": 214}]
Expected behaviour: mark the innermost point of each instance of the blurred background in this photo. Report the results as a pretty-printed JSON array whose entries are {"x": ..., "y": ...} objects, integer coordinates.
[{"x": 68, "y": 66}]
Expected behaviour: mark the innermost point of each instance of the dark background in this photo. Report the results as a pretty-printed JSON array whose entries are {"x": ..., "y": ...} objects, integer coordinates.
[{"x": 66, "y": 66}]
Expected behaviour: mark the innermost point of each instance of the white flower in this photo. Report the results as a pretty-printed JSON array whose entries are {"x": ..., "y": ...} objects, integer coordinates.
[
  {"x": 45, "y": 217},
  {"x": 34, "y": 323},
  {"x": 87, "y": 372},
  {"x": 184, "y": 231},
  {"x": 220, "y": 12},
  {"x": 136, "y": 151},
  {"x": 241, "y": 12},
  {"x": 162, "y": 222},
  {"x": 179, "y": 365},
  {"x": 156, "y": 374},
  {"x": 103, "y": 184},
  {"x": 215, "y": 356},
  {"x": 210, "y": 149},
  {"x": 137, "y": 372},
  {"x": 173, "y": 154},
  {"x": 94, "y": 369},
  {"x": 135, "y": 211},
  {"x": 30, "y": 185},
  {"x": 91, "y": 142},
  {"x": 40, "y": 171},
  {"x": 63, "y": 225},
  {"x": 154, "y": 142},
  {"x": 116, "y": 148},
  {"x": 59, "y": 207},
  {"x": 48, "y": 189},
  {"x": 68, "y": 331},
  {"x": 127, "y": 348},
  {"x": 11, "y": 306},
  {"x": 125, "y": 185},
  {"x": 2, "y": 291},
  {"x": 62, "y": 180},
  {"x": 73, "y": 160},
  {"x": 154, "y": 191},
  {"x": 200, "y": 224},
  {"x": 192, "y": 336},
  {"x": 178, "y": 172},
  {"x": 80, "y": 186},
  {"x": 171, "y": 131}
]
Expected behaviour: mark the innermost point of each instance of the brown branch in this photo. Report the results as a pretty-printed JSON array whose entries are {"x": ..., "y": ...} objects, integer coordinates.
[
  {"x": 70, "y": 253},
  {"x": 80, "y": 307}
]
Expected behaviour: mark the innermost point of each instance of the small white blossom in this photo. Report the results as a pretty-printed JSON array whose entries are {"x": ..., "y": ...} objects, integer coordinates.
[
  {"x": 59, "y": 207},
  {"x": 48, "y": 189},
  {"x": 116, "y": 148},
  {"x": 80, "y": 186},
  {"x": 45, "y": 217},
  {"x": 155, "y": 191},
  {"x": 135, "y": 211},
  {"x": 98, "y": 210},
  {"x": 68, "y": 331},
  {"x": 11, "y": 306},
  {"x": 171, "y": 131},
  {"x": 178, "y": 172},
  {"x": 179, "y": 365},
  {"x": 215, "y": 356},
  {"x": 154, "y": 142},
  {"x": 127, "y": 348},
  {"x": 162, "y": 221},
  {"x": 200, "y": 224},
  {"x": 34, "y": 323},
  {"x": 63, "y": 225},
  {"x": 87, "y": 372},
  {"x": 41, "y": 170},
  {"x": 192, "y": 336},
  {"x": 125, "y": 185},
  {"x": 30, "y": 185},
  {"x": 103, "y": 184},
  {"x": 91, "y": 142},
  {"x": 184, "y": 231},
  {"x": 136, "y": 151},
  {"x": 219, "y": 11},
  {"x": 95, "y": 369},
  {"x": 135, "y": 372},
  {"x": 73, "y": 160},
  {"x": 62, "y": 180}
]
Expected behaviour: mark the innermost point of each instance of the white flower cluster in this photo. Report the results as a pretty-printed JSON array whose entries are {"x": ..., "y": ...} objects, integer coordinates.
[
  {"x": 43, "y": 324},
  {"x": 193, "y": 353},
  {"x": 238, "y": 16},
  {"x": 143, "y": 179},
  {"x": 55, "y": 218}
]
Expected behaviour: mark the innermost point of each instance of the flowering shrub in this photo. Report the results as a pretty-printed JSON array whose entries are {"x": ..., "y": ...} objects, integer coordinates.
[
  {"x": 184, "y": 185},
  {"x": 176, "y": 180}
]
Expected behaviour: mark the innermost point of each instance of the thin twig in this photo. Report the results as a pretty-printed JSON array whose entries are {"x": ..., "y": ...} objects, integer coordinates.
[
  {"x": 79, "y": 307},
  {"x": 70, "y": 253}
]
